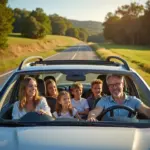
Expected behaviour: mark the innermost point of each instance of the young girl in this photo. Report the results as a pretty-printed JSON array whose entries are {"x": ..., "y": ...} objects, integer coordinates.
[{"x": 64, "y": 107}]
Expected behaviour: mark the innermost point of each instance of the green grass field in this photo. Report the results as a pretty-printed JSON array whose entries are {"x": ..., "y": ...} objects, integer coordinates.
[
  {"x": 20, "y": 48},
  {"x": 16, "y": 38},
  {"x": 138, "y": 57}
]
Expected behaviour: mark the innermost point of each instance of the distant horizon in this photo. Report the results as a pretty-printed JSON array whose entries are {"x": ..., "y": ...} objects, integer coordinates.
[
  {"x": 84, "y": 20},
  {"x": 80, "y": 10}
]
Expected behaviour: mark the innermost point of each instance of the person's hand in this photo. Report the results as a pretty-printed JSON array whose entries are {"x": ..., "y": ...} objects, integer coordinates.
[
  {"x": 92, "y": 119},
  {"x": 41, "y": 112}
]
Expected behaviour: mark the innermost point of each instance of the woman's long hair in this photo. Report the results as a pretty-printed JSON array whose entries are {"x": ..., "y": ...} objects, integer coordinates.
[
  {"x": 59, "y": 106},
  {"x": 22, "y": 94},
  {"x": 50, "y": 81}
]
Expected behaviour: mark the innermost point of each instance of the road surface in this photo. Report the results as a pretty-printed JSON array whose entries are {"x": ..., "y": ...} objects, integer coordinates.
[{"x": 78, "y": 52}]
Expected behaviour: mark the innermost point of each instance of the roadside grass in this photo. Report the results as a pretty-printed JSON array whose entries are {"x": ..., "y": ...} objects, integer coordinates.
[
  {"x": 21, "y": 48},
  {"x": 136, "y": 56},
  {"x": 16, "y": 38}
]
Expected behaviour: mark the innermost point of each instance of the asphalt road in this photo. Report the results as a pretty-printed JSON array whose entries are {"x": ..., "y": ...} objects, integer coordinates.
[{"x": 78, "y": 52}]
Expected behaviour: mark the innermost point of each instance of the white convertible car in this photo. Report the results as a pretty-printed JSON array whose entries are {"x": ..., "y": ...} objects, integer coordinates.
[{"x": 42, "y": 132}]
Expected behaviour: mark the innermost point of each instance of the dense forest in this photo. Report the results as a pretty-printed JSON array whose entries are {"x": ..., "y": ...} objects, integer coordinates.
[
  {"x": 129, "y": 24},
  {"x": 36, "y": 24}
]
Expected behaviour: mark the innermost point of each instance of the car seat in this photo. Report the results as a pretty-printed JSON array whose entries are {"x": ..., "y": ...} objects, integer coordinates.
[
  {"x": 105, "y": 90},
  {"x": 52, "y": 103},
  {"x": 41, "y": 87}
]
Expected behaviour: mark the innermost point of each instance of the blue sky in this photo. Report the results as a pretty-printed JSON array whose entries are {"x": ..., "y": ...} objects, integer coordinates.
[{"x": 95, "y": 10}]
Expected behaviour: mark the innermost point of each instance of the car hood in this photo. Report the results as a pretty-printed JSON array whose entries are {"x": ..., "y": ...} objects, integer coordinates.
[{"x": 74, "y": 138}]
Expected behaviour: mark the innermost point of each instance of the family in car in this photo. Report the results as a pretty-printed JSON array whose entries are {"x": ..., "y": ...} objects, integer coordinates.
[{"x": 78, "y": 107}]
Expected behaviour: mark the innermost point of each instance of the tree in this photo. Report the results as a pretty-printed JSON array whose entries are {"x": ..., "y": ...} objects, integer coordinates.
[
  {"x": 145, "y": 29},
  {"x": 42, "y": 18},
  {"x": 19, "y": 16},
  {"x": 36, "y": 25},
  {"x": 59, "y": 24},
  {"x": 6, "y": 20},
  {"x": 134, "y": 9},
  {"x": 32, "y": 28},
  {"x": 124, "y": 25},
  {"x": 4, "y": 2},
  {"x": 111, "y": 26},
  {"x": 73, "y": 32},
  {"x": 83, "y": 34}
]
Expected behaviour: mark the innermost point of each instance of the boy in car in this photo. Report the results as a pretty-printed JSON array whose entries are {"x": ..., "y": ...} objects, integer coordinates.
[
  {"x": 96, "y": 88},
  {"x": 78, "y": 102}
]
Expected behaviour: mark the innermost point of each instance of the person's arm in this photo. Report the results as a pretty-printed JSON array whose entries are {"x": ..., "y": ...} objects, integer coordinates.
[
  {"x": 85, "y": 112},
  {"x": 94, "y": 113},
  {"x": 44, "y": 108},
  {"x": 77, "y": 116},
  {"x": 144, "y": 109},
  {"x": 55, "y": 114},
  {"x": 86, "y": 108}
]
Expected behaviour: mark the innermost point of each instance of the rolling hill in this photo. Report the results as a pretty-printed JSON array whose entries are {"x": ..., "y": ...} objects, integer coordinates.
[{"x": 93, "y": 27}]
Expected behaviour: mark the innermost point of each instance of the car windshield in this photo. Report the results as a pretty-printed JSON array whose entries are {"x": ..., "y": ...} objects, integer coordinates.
[{"x": 65, "y": 81}]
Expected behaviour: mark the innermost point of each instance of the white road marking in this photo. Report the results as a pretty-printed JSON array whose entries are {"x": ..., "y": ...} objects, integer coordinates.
[
  {"x": 44, "y": 59},
  {"x": 6, "y": 73},
  {"x": 75, "y": 53},
  {"x": 73, "y": 56},
  {"x": 58, "y": 77}
]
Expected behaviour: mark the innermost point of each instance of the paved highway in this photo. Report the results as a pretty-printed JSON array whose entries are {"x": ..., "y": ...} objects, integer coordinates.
[{"x": 78, "y": 52}]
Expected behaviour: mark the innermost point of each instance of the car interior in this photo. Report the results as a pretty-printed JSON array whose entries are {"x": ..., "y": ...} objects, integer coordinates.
[{"x": 63, "y": 83}]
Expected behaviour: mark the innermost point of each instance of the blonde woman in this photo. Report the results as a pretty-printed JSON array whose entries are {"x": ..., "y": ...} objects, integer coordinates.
[
  {"x": 29, "y": 100},
  {"x": 51, "y": 88},
  {"x": 51, "y": 93}
]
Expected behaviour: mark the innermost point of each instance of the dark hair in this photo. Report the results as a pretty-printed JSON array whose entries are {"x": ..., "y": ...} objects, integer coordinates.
[{"x": 50, "y": 77}]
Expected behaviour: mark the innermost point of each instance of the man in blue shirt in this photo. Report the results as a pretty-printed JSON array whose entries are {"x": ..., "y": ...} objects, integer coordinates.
[{"x": 118, "y": 97}]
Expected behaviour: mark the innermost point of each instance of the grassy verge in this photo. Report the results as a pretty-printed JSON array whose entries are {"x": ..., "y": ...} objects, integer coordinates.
[
  {"x": 136, "y": 56},
  {"x": 20, "y": 48}
]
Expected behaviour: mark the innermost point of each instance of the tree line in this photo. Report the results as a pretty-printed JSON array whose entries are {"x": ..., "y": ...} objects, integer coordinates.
[
  {"x": 129, "y": 24},
  {"x": 35, "y": 24}
]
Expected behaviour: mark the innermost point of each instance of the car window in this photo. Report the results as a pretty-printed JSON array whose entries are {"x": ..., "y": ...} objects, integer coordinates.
[{"x": 8, "y": 93}]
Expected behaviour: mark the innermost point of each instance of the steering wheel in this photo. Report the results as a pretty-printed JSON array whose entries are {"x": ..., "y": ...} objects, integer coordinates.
[
  {"x": 35, "y": 117},
  {"x": 132, "y": 112}
]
